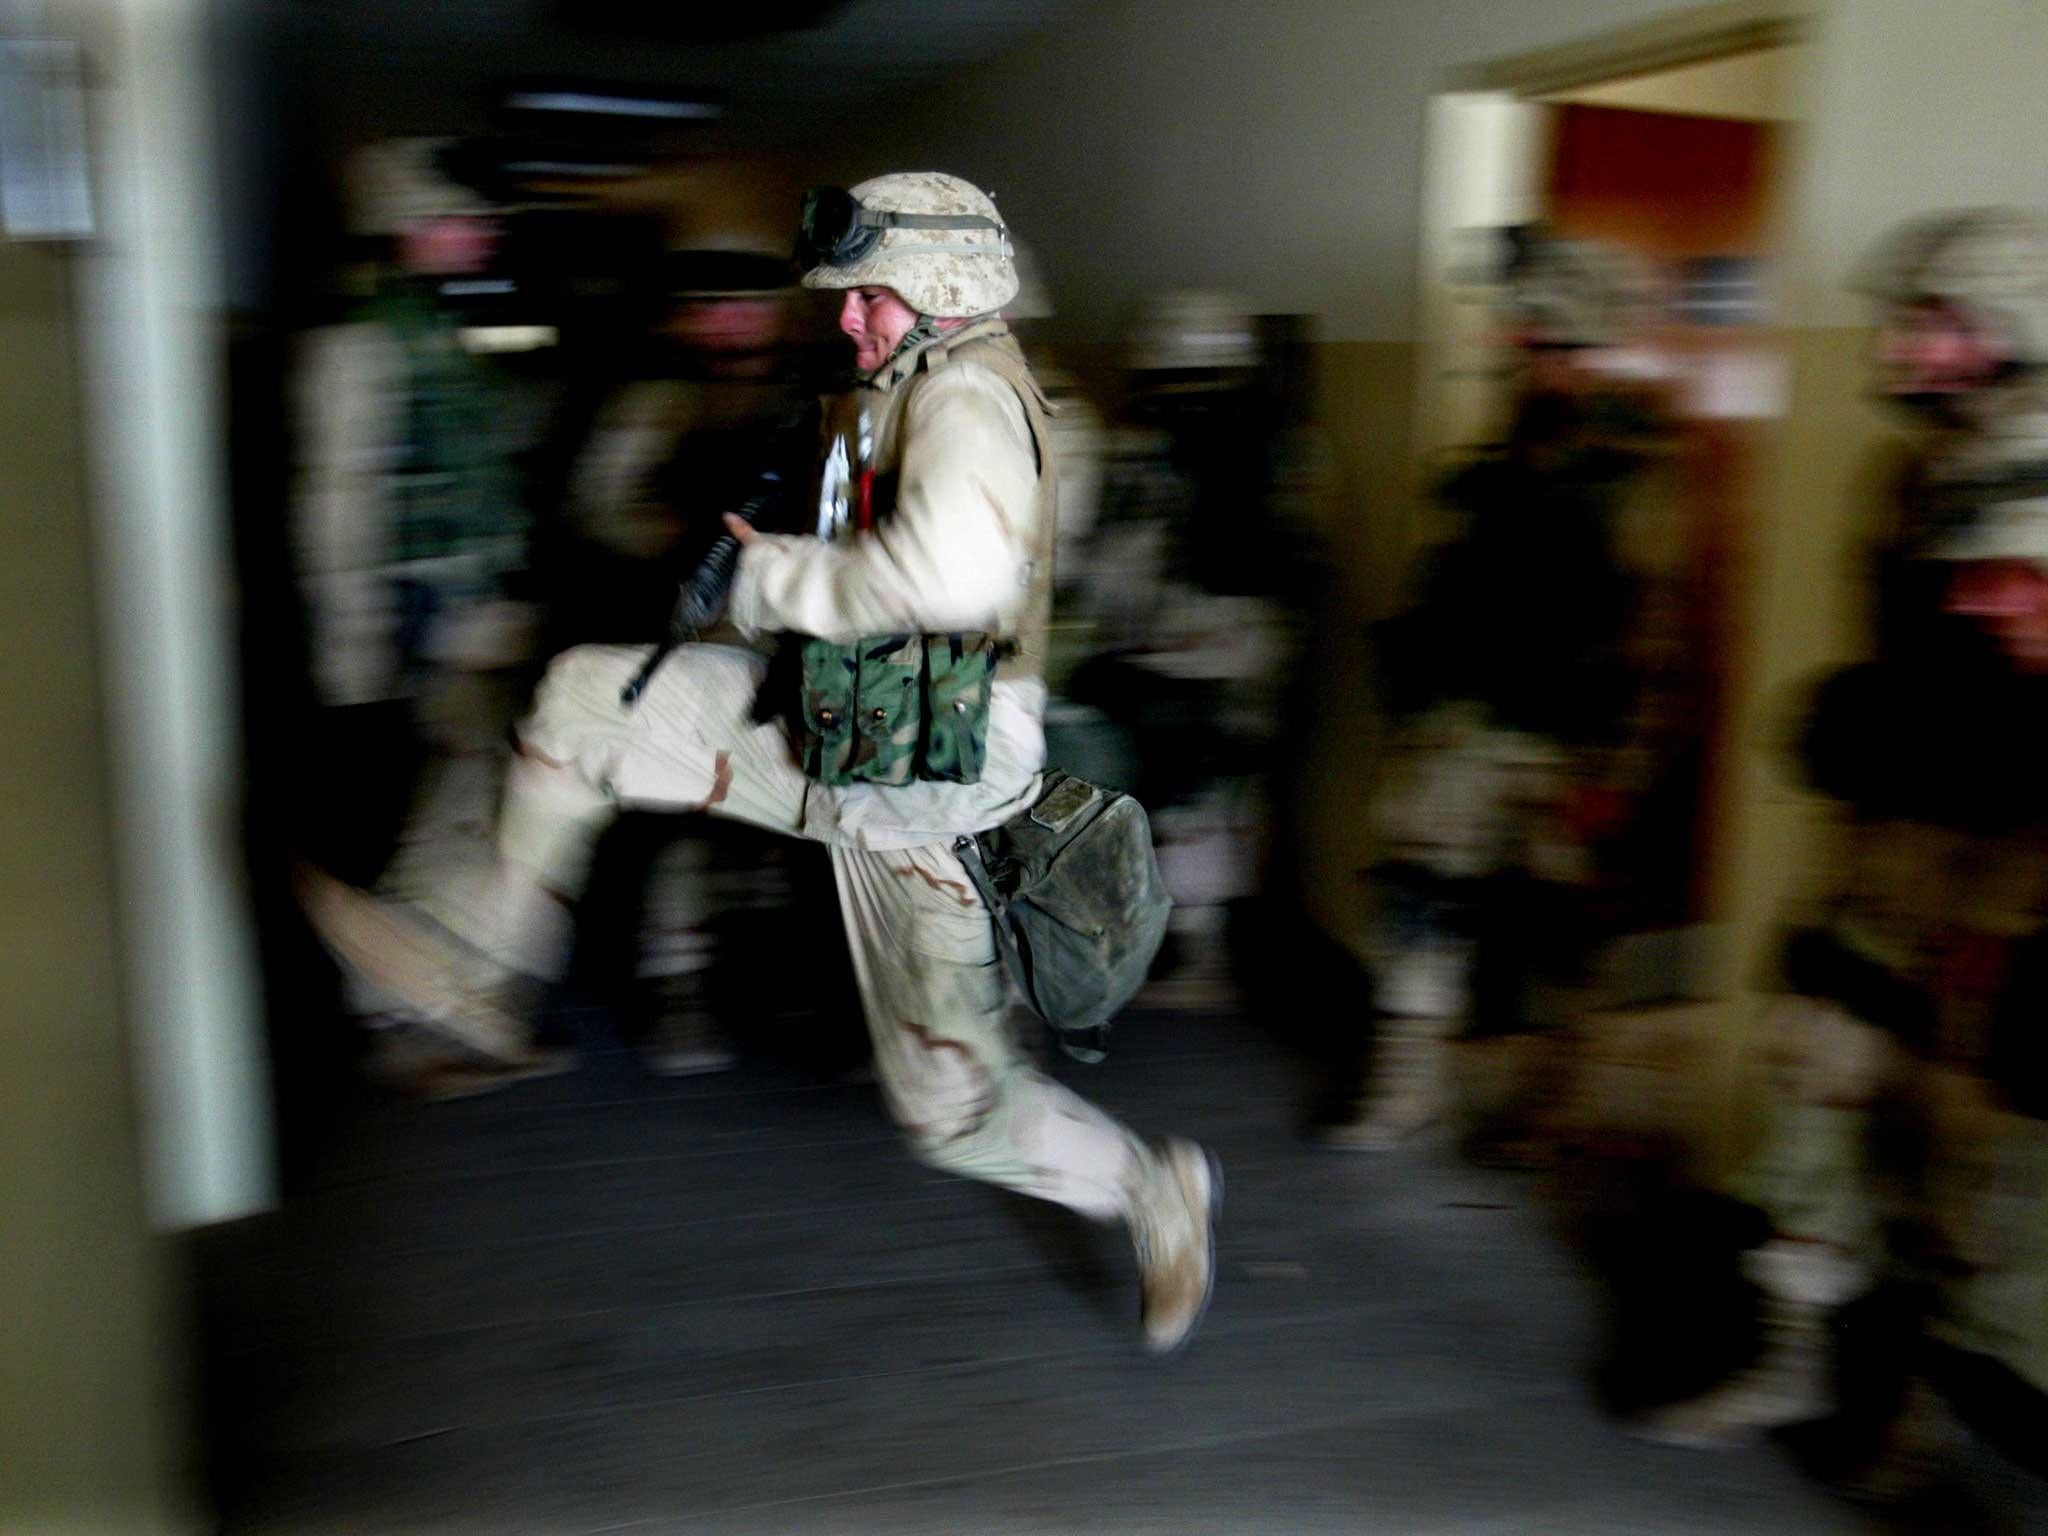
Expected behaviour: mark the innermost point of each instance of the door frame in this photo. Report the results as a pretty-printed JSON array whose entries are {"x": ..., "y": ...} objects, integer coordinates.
[{"x": 1699, "y": 956}]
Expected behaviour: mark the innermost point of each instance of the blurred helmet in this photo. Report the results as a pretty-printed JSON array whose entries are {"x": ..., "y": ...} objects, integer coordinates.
[
  {"x": 1194, "y": 332},
  {"x": 935, "y": 239},
  {"x": 406, "y": 181},
  {"x": 1574, "y": 293},
  {"x": 1990, "y": 264}
]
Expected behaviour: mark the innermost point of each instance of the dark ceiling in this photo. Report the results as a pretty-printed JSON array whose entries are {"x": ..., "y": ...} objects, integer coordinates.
[{"x": 784, "y": 67}]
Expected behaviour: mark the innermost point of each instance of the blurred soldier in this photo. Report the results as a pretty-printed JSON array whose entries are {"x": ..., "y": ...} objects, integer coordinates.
[
  {"x": 939, "y": 503},
  {"x": 669, "y": 453},
  {"x": 1076, "y": 736},
  {"x": 1515, "y": 683},
  {"x": 1906, "y": 1173},
  {"x": 1189, "y": 595},
  {"x": 709, "y": 405},
  {"x": 410, "y": 532},
  {"x": 1078, "y": 434}
]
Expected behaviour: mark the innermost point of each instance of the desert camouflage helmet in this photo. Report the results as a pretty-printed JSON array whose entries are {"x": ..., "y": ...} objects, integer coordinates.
[
  {"x": 947, "y": 272},
  {"x": 1987, "y": 480},
  {"x": 398, "y": 182},
  {"x": 1990, "y": 264}
]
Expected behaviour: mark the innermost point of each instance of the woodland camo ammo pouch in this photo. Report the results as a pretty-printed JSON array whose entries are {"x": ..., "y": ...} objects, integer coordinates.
[{"x": 894, "y": 709}]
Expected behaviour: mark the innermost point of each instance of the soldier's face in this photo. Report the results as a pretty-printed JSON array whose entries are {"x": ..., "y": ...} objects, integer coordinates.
[
  {"x": 457, "y": 246},
  {"x": 1930, "y": 351},
  {"x": 875, "y": 320},
  {"x": 2008, "y": 600},
  {"x": 727, "y": 325}
]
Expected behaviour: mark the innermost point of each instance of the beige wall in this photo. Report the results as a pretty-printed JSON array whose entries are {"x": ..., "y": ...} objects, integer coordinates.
[
  {"x": 83, "y": 1416},
  {"x": 1764, "y": 85},
  {"x": 1366, "y": 392},
  {"x": 1915, "y": 106}
]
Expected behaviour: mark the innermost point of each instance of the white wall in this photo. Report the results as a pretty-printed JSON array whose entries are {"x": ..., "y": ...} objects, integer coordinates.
[
  {"x": 1916, "y": 106},
  {"x": 1483, "y": 168},
  {"x": 1275, "y": 149}
]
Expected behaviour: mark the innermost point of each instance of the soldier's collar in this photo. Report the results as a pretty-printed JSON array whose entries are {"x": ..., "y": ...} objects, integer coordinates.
[{"x": 933, "y": 351}]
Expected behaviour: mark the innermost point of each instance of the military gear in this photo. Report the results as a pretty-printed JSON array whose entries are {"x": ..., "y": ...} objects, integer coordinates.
[
  {"x": 922, "y": 333},
  {"x": 894, "y": 709},
  {"x": 409, "y": 522},
  {"x": 954, "y": 526},
  {"x": 1901, "y": 1163},
  {"x": 1906, "y": 1137},
  {"x": 454, "y": 496},
  {"x": 934, "y": 239},
  {"x": 891, "y": 709},
  {"x": 703, "y": 597},
  {"x": 1079, "y": 906},
  {"x": 1528, "y": 612},
  {"x": 836, "y": 229},
  {"x": 864, "y": 485}
]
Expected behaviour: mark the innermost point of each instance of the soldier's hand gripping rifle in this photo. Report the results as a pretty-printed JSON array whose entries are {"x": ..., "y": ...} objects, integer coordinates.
[{"x": 703, "y": 596}]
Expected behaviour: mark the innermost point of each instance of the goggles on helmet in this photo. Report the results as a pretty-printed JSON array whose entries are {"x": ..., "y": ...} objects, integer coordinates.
[{"x": 835, "y": 229}]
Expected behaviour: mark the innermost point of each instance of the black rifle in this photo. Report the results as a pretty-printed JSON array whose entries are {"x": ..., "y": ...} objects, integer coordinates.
[{"x": 704, "y": 593}]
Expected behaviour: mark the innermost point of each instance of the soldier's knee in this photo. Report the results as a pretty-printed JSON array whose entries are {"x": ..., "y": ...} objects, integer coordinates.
[
  {"x": 576, "y": 707},
  {"x": 578, "y": 678}
]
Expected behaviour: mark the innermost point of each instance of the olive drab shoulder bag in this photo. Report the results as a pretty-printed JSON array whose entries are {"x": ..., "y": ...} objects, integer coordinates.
[{"x": 1079, "y": 907}]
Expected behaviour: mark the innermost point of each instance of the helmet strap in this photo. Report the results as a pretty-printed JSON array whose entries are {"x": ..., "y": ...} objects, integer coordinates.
[{"x": 923, "y": 330}]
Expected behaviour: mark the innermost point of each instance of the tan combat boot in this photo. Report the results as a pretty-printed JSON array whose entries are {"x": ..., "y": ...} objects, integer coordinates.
[
  {"x": 1173, "y": 1224},
  {"x": 421, "y": 974}
]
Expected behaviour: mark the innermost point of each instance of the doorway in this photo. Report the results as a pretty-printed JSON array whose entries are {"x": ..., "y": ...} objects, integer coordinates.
[{"x": 1670, "y": 143}]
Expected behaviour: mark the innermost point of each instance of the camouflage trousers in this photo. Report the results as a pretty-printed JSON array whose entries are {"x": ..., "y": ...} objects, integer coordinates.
[
  {"x": 1464, "y": 799},
  {"x": 950, "y": 1068},
  {"x": 461, "y": 719},
  {"x": 1816, "y": 1173},
  {"x": 1978, "y": 1191},
  {"x": 1480, "y": 874}
]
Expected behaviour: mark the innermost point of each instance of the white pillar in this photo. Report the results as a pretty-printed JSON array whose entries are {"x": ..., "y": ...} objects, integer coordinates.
[{"x": 152, "y": 328}]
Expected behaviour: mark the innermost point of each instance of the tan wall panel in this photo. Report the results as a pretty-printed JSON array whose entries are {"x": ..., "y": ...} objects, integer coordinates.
[{"x": 84, "y": 1439}]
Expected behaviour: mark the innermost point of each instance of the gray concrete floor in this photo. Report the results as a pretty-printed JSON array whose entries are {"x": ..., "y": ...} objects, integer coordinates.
[{"x": 610, "y": 1303}]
